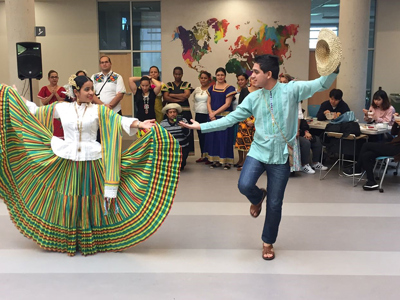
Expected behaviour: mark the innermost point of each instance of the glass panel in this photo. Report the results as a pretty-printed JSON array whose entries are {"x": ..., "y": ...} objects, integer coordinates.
[
  {"x": 146, "y": 23},
  {"x": 142, "y": 61},
  {"x": 369, "y": 78},
  {"x": 371, "y": 40},
  {"x": 114, "y": 26}
]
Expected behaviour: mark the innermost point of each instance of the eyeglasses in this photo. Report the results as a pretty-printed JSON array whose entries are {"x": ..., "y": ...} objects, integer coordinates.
[{"x": 53, "y": 77}]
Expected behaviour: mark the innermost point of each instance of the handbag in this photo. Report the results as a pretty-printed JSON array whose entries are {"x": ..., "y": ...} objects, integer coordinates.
[{"x": 290, "y": 147}]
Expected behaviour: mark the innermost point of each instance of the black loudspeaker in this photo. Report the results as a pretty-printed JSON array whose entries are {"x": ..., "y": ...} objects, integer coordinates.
[{"x": 29, "y": 60}]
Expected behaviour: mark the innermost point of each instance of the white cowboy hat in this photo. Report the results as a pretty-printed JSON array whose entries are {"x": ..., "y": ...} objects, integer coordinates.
[
  {"x": 328, "y": 52},
  {"x": 171, "y": 106}
]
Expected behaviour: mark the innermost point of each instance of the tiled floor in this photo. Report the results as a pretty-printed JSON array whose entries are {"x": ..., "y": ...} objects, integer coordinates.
[{"x": 335, "y": 242}]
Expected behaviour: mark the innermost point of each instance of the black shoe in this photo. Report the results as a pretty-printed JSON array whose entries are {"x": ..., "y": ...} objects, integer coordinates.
[
  {"x": 349, "y": 172},
  {"x": 370, "y": 185}
]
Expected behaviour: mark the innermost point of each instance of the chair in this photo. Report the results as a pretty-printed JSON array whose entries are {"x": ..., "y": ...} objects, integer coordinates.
[
  {"x": 313, "y": 110},
  {"x": 340, "y": 160},
  {"x": 384, "y": 160}
]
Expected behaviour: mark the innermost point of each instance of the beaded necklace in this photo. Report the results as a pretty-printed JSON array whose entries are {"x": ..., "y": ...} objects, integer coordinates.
[
  {"x": 79, "y": 125},
  {"x": 146, "y": 104}
]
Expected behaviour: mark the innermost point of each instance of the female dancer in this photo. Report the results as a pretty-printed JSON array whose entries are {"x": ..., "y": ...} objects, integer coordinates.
[
  {"x": 218, "y": 144},
  {"x": 52, "y": 93},
  {"x": 76, "y": 194}
]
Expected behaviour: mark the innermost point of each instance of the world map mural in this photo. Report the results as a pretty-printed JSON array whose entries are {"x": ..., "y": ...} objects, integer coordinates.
[{"x": 202, "y": 38}]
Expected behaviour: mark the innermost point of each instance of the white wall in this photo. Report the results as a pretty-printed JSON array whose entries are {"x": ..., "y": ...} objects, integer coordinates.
[
  {"x": 387, "y": 47},
  {"x": 255, "y": 12},
  {"x": 4, "y": 77},
  {"x": 71, "y": 41}
]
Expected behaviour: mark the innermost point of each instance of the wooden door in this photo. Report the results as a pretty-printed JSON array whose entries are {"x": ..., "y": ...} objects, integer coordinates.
[{"x": 121, "y": 64}]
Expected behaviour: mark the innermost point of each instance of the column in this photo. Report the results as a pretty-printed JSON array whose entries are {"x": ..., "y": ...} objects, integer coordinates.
[
  {"x": 353, "y": 33},
  {"x": 20, "y": 22}
]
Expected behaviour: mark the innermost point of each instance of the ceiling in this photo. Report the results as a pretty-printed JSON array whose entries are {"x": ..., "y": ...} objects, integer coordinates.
[{"x": 321, "y": 14}]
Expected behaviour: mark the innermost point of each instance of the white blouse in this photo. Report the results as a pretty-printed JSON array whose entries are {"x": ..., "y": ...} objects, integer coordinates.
[
  {"x": 200, "y": 101},
  {"x": 90, "y": 149}
]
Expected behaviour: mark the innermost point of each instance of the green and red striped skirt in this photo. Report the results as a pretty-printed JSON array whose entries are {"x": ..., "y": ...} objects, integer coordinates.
[{"x": 59, "y": 203}]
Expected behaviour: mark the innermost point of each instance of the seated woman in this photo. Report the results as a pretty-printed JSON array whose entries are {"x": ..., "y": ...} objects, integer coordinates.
[
  {"x": 380, "y": 111},
  {"x": 370, "y": 151}
]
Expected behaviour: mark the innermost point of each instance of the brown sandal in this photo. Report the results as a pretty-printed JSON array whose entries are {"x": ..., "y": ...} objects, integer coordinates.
[
  {"x": 255, "y": 209},
  {"x": 268, "y": 250}
]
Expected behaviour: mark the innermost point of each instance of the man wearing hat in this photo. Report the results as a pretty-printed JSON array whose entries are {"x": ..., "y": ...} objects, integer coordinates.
[
  {"x": 275, "y": 108},
  {"x": 180, "y": 133},
  {"x": 335, "y": 105}
]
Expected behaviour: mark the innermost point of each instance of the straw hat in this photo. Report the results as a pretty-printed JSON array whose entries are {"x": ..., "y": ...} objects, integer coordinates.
[
  {"x": 171, "y": 106},
  {"x": 328, "y": 52}
]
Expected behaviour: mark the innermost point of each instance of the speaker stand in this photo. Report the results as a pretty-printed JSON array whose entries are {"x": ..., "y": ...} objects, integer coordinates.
[{"x": 30, "y": 88}]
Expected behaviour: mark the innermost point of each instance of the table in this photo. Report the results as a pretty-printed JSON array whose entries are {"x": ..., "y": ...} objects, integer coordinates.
[{"x": 363, "y": 127}]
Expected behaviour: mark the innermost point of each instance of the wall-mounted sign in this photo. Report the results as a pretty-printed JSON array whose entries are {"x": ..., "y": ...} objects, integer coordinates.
[{"x": 40, "y": 31}]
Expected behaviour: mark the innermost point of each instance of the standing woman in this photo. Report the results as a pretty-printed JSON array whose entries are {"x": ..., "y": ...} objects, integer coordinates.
[
  {"x": 219, "y": 144},
  {"x": 200, "y": 97},
  {"x": 179, "y": 91},
  {"x": 154, "y": 73},
  {"x": 52, "y": 93},
  {"x": 246, "y": 128},
  {"x": 145, "y": 96},
  {"x": 77, "y": 194}
]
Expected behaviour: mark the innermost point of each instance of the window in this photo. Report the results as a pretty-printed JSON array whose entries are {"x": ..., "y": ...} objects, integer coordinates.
[{"x": 133, "y": 27}]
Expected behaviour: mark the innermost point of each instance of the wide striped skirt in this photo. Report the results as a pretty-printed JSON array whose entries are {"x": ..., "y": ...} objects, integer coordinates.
[{"x": 59, "y": 203}]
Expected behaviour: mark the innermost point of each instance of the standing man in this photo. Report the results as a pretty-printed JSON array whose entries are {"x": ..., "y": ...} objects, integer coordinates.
[
  {"x": 275, "y": 108},
  {"x": 109, "y": 86}
]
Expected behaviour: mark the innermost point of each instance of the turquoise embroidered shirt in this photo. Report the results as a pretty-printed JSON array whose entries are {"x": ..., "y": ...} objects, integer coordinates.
[{"x": 268, "y": 145}]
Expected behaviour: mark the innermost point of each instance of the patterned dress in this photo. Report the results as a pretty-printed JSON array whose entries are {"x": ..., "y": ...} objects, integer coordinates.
[
  {"x": 219, "y": 144},
  {"x": 104, "y": 200},
  {"x": 245, "y": 134}
]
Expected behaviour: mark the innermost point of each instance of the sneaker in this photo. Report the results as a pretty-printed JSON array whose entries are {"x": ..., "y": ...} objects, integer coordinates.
[
  {"x": 370, "y": 185},
  {"x": 349, "y": 172},
  {"x": 307, "y": 169},
  {"x": 318, "y": 166}
]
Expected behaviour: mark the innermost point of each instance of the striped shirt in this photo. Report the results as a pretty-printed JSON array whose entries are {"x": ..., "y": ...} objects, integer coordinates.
[{"x": 179, "y": 133}]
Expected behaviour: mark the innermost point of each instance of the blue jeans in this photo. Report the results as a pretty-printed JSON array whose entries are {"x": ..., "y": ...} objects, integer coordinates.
[{"x": 277, "y": 178}]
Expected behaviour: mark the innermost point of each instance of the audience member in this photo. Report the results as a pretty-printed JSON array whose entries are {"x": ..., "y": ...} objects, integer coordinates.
[
  {"x": 310, "y": 142},
  {"x": 52, "y": 93},
  {"x": 200, "y": 97},
  {"x": 145, "y": 96},
  {"x": 380, "y": 111},
  {"x": 109, "y": 86},
  {"x": 154, "y": 73},
  {"x": 179, "y": 91},
  {"x": 180, "y": 133},
  {"x": 219, "y": 144},
  {"x": 245, "y": 133},
  {"x": 370, "y": 151},
  {"x": 335, "y": 105},
  {"x": 286, "y": 78}
]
